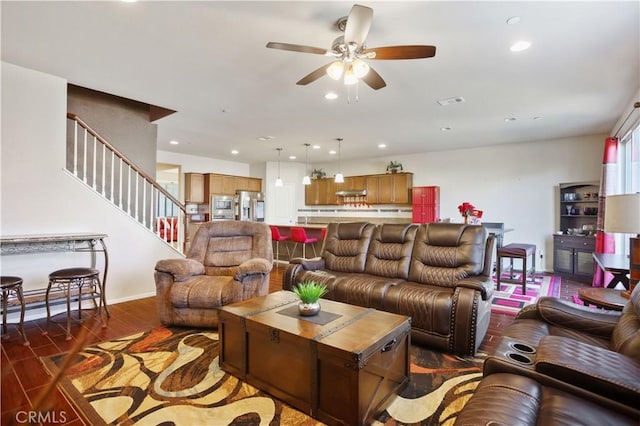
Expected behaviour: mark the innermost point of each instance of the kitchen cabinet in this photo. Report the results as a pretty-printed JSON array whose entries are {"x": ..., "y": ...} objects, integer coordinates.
[
  {"x": 194, "y": 188},
  {"x": 573, "y": 257},
  {"x": 425, "y": 204},
  {"x": 394, "y": 188},
  {"x": 228, "y": 185}
]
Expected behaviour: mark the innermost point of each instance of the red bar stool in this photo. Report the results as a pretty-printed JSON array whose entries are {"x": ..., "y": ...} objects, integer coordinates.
[
  {"x": 299, "y": 236},
  {"x": 13, "y": 285},
  {"x": 277, "y": 237}
]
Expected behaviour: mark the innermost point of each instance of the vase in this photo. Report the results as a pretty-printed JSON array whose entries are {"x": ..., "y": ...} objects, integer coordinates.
[
  {"x": 466, "y": 220},
  {"x": 308, "y": 309}
]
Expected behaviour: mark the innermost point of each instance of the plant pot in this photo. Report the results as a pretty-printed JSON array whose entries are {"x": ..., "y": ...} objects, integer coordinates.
[{"x": 308, "y": 309}]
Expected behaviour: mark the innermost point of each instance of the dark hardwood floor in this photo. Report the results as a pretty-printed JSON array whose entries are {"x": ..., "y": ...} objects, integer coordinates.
[{"x": 24, "y": 377}]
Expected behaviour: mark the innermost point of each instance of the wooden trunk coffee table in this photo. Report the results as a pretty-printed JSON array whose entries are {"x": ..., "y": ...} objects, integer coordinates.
[{"x": 341, "y": 366}]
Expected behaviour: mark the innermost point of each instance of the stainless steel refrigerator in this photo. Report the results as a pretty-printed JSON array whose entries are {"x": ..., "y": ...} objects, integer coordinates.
[{"x": 250, "y": 206}]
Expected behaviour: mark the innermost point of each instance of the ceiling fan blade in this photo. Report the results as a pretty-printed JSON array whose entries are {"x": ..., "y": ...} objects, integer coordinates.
[
  {"x": 313, "y": 76},
  {"x": 401, "y": 52},
  {"x": 373, "y": 80},
  {"x": 358, "y": 24},
  {"x": 296, "y": 48}
]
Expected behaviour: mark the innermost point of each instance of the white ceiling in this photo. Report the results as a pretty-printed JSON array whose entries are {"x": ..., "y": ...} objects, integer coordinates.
[{"x": 208, "y": 61}]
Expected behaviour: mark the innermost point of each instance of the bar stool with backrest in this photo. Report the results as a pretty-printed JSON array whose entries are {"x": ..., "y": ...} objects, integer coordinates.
[
  {"x": 13, "y": 285},
  {"x": 277, "y": 237},
  {"x": 76, "y": 282},
  {"x": 299, "y": 236},
  {"x": 517, "y": 251}
]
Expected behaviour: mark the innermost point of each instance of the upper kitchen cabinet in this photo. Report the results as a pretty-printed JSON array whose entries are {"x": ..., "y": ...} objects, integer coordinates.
[
  {"x": 194, "y": 188},
  {"x": 392, "y": 188},
  {"x": 228, "y": 185}
]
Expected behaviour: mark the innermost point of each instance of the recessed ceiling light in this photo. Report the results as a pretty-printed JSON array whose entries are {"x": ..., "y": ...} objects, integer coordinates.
[
  {"x": 513, "y": 20},
  {"x": 509, "y": 119},
  {"x": 174, "y": 142},
  {"x": 382, "y": 145},
  {"x": 266, "y": 138},
  {"x": 331, "y": 96},
  {"x": 519, "y": 46},
  {"x": 292, "y": 157},
  {"x": 445, "y": 129},
  {"x": 234, "y": 151},
  {"x": 537, "y": 117},
  {"x": 316, "y": 147},
  {"x": 332, "y": 152}
]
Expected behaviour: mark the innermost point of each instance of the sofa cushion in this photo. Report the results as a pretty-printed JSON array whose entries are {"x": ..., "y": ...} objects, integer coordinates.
[
  {"x": 205, "y": 292},
  {"x": 444, "y": 253},
  {"x": 362, "y": 289},
  {"x": 345, "y": 246},
  {"x": 389, "y": 253}
]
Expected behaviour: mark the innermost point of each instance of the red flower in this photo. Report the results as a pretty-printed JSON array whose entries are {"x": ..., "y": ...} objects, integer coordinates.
[{"x": 465, "y": 209}]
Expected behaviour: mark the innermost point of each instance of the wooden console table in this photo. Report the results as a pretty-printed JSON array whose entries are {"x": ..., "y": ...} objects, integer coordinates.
[
  {"x": 47, "y": 243},
  {"x": 617, "y": 265}
]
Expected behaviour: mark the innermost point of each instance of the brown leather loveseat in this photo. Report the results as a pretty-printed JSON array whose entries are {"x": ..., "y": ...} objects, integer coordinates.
[
  {"x": 561, "y": 363},
  {"x": 439, "y": 274}
]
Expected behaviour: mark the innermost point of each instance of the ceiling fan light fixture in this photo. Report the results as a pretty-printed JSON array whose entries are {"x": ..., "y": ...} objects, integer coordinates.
[
  {"x": 360, "y": 68},
  {"x": 350, "y": 76},
  {"x": 335, "y": 70}
]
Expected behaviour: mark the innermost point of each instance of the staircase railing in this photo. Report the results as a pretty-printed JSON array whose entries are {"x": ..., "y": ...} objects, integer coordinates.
[{"x": 100, "y": 166}]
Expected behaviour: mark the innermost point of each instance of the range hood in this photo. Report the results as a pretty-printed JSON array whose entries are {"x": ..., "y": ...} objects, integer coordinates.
[{"x": 352, "y": 193}]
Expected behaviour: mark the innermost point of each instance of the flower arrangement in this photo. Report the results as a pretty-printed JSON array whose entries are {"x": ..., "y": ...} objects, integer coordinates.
[
  {"x": 310, "y": 291},
  {"x": 470, "y": 213},
  {"x": 466, "y": 209}
]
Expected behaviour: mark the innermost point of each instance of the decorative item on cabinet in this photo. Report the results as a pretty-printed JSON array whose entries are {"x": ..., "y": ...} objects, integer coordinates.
[
  {"x": 318, "y": 174},
  {"x": 394, "y": 167}
]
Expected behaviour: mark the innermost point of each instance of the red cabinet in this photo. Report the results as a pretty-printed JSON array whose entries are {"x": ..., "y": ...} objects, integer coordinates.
[{"x": 426, "y": 204}]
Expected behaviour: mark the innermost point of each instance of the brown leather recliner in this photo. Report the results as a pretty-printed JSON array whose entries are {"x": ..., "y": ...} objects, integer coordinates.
[
  {"x": 439, "y": 274},
  {"x": 228, "y": 261},
  {"x": 563, "y": 363}
]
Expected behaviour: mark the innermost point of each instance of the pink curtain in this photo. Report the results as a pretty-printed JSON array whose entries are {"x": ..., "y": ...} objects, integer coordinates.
[{"x": 605, "y": 243}]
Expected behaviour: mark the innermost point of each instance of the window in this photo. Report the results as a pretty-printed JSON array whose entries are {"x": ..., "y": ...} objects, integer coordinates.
[{"x": 628, "y": 174}]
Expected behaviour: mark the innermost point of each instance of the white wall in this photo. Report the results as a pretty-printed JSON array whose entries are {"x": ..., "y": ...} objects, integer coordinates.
[{"x": 39, "y": 197}]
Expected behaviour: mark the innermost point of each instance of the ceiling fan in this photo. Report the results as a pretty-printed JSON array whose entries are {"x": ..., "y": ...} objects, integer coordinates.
[{"x": 349, "y": 50}]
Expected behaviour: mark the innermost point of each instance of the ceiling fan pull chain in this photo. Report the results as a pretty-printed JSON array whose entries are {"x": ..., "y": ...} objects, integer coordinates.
[{"x": 348, "y": 94}]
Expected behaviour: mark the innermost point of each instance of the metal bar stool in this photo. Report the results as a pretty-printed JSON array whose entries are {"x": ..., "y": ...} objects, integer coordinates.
[
  {"x": 75, "y": 278},
  {"x": 517, "y": 251},
  {"x": 277, "y": 237},
  {"x": 299, "y": 236},
  {"x": 13, "y": 285}
]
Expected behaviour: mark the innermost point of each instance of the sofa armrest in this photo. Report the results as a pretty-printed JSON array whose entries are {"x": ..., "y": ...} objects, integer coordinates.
[
  {"x": 599, "y": 370},
  {"x": 256, "y": 266},
  {"x": 181, "y": 269},
  {"x": 313, "y": 264},
  {"x": 481, "y": 283},
  {"x": 562, "y": 313}
]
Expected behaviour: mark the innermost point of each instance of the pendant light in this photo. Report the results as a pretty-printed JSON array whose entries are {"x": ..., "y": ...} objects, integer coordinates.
[
  {"x": 306, "y": 180},
  {"x": 278, "y": 180},
  {"x": 339, "y": 178}
]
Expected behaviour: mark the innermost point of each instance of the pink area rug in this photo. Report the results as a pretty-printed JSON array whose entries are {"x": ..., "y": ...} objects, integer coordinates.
[{"x": 509, "y": 298}]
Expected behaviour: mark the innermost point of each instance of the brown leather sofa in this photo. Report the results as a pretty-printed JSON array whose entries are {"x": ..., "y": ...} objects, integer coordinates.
[
  {"x": 228, "y": 261},
  {"x": 439, "y": 274},
  {"x": 565, "y": 364}
]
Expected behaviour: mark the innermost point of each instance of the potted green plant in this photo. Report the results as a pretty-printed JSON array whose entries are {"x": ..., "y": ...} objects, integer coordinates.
[
  {"x": 394, "y": 166},
  {"x": 309, "y": 293},
  {"x": 318, "y": 174}
]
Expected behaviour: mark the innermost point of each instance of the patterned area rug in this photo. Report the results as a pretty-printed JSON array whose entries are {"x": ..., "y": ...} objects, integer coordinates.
[
  {"x": 171, "y": 376},
  {"x": 509, "y": 300}
]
